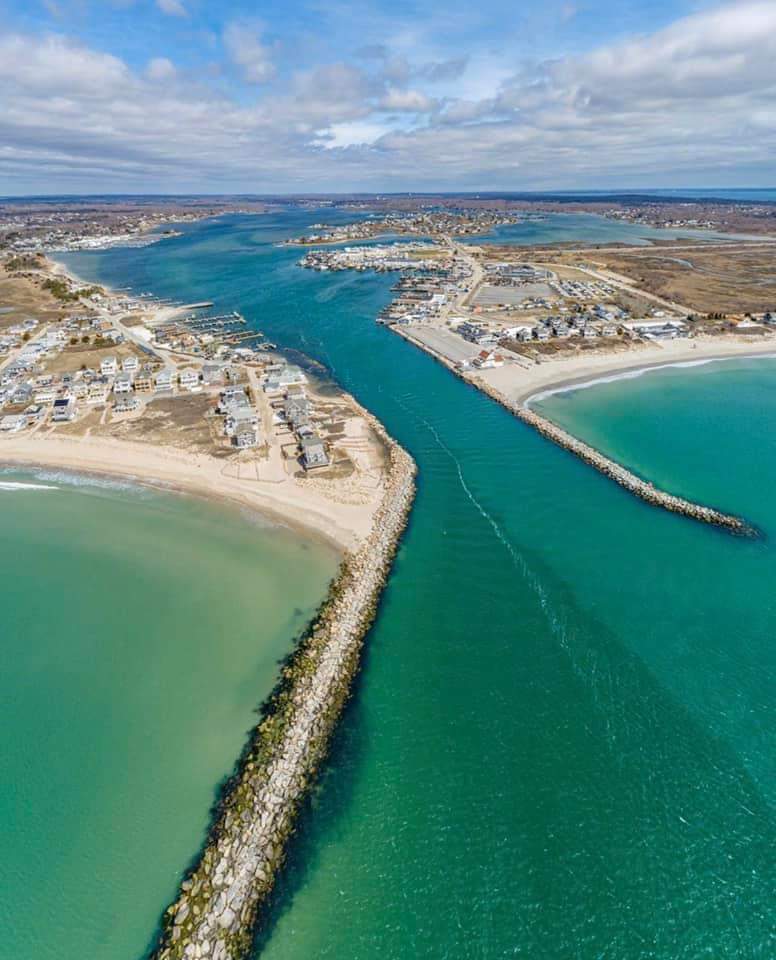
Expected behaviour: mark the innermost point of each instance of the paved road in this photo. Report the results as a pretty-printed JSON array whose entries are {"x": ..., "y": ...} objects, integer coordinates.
[{"x": 446, "y": 342}]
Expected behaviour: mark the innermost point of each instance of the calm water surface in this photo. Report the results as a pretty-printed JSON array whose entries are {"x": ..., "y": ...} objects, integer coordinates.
[
  {"x": 561, "y": 744},
  {"x": 140, "y": 630}
]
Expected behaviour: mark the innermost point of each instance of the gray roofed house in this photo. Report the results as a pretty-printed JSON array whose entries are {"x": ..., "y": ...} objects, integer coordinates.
[
  {"x": 314, "y": 452},
  {"x": 297, "y": 411}
]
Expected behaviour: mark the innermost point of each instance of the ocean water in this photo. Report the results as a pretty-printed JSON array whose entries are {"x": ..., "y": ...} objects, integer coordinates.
[
  {"x": 139, "y": 632},
  {"x": 561, "y": 743}
]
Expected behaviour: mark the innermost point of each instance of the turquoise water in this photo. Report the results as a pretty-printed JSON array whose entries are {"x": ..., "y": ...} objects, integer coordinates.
[
  {"x": 561, "y": 744},
  {"x": 140, "y": 631}
]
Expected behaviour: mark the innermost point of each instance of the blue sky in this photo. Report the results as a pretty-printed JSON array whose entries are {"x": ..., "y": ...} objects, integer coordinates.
[{"x": 197, "y": 96}]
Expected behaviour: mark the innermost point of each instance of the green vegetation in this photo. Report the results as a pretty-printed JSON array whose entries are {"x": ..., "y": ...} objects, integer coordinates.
[
  {"x": 29, "y": 262},
  {"x": 61, "y": 290}
]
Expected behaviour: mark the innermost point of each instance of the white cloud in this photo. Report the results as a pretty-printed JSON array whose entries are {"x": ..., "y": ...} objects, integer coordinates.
[
  {"x": 160, "y": 68},
  {"x": 173, "y": 8},
  {"x": 357, "y": 133},
  {"x": 411, "y": 101},
  {"x": 242, "y": 40},
  {"x": 691, "y": 102}
]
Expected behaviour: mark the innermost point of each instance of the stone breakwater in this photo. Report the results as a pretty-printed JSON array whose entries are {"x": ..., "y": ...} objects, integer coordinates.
[
  {"x": 217, "y": 908},
  {"x": 609, "y": 468},
  {"x": 615, "y": 471}
]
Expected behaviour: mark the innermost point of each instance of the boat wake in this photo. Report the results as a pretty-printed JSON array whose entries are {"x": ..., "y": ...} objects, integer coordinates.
[{"x": 518, "y": 560}]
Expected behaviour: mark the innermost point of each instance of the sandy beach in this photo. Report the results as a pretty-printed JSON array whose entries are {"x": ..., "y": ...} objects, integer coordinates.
[
  {"x": 522, "y": 383},
  {"x": 288, "y": 501}
]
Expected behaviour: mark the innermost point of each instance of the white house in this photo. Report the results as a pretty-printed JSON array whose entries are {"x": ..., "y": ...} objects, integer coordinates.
[
  {"x": 108, "y": 366},
  {"x": 122, "y": 383},
  {"x": 487, "y": 359},
  {"x": 97, "y": 391},
  {"x": 13, "y": 423},
  {"x": 189, "y": 379},
  {"x": 163, "y": 381},
  {"x": 64, "y": 410},
  {"x": 45, "y": 395}
]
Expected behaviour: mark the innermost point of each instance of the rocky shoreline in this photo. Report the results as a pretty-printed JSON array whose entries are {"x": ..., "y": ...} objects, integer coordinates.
[
  {"x": 217, "y": 908},
  {"x": 609, "y": 468}
]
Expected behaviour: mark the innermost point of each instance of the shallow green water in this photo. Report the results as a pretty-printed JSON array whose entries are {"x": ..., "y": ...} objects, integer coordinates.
[
  {"x": 139, "y": 632},
  {"x": 561, "y": 744}
]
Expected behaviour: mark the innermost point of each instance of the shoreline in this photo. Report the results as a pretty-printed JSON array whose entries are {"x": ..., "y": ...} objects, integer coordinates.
[
  {"x": 340, "y": 524},
  {"x": 633, "y": 373},
  {"x": 561, "y": 375},
  {"x": 189, "y": 475},
  {"x": 218, "y": 905},
  {"x": 221, "y": 893},
  {"x": 619, "y": 474}
]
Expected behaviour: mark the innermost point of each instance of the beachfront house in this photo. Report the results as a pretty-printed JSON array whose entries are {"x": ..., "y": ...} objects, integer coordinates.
[
  {"x": 97, "y": 390},
  {"x": 283, "y": 378},
  {"x": 238, "y": 417},
  {"x": 45, "y": 395},
  {"x": 313, "y": 452},
  {"x": 229, "y": 396},
  {"x": 126, "y": 403},
  {"x": 245, "y": 436},
  {"x": 122, "y": 383},
  {"x": 297, "y": 411},
  {"x": 13, "y": 423},
  {"x": 130, "y": 364},
  {"x": 657, "y": 329},
  {"x": 65, "y": 409},
  {"x": 521, "y": 333},
  {"x": 488, "y": 359},
  {"x": 189, "y": 379},
  {"x": 163, "y": 381},
  {"x": 108, "y": 366},
  {"x": 144, "y": 381}
]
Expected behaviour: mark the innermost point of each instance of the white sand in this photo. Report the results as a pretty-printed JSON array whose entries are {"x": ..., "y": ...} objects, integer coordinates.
[
  {"x": 288, "y": 500},
  {"x": 521, "y": 382}
]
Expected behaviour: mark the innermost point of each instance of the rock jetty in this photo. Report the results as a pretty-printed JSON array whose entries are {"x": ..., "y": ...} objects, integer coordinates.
[
  {"x": 621, "y": 475},
  {"x": 609, "y": 468},
  {"x": 217, "y": 908}
]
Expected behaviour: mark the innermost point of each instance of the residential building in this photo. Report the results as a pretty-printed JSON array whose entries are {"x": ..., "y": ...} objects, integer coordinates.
[
  {"x": 314, "y": 452},
  {"x": 108, "y": 366},
  {"x": 123, "y": 383},
  {"x": 97, "y": 391},
  {"x": 245, "y": 436},
  {"x": 45, "y": 395},
  {"x": 144, "y": 381},
  {"x": 283, "y": 378},
  {"x": 487, "y": 359},
  {"x": 126, "y": 403},
  {"x": 65, "y": 409},
  {"x": 163, "y": 381},
  {"x": 13, "y": 423},
  {"x": 189, "y": 379}
]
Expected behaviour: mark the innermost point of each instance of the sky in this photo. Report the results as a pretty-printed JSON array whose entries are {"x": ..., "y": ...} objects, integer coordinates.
[{"x": 306, "y": 96}]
